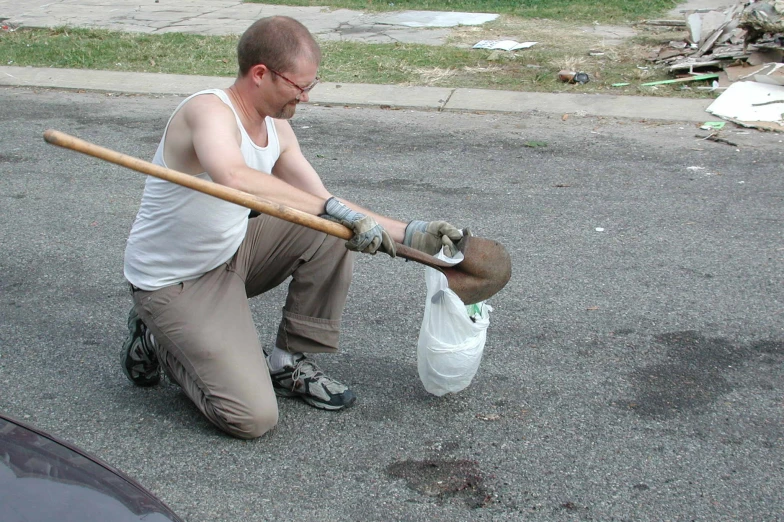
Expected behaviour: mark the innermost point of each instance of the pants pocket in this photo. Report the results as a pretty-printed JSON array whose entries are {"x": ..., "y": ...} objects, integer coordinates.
[{"x": 156, "y": 302}]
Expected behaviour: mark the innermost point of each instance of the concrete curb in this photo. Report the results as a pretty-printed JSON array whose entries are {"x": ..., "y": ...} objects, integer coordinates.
[{"x": 424, "y": 98}]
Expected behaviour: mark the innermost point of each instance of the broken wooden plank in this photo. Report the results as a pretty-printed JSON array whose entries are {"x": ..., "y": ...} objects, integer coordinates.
[
  {"x": 743, "y": 72},
  {"x": 712, "y": 23},
  {"x": 728, "y": 53},
  {"x": 690, "y": 65}
]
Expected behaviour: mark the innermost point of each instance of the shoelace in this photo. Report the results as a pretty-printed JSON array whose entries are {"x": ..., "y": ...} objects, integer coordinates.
[{"x": 298, "y": 371}]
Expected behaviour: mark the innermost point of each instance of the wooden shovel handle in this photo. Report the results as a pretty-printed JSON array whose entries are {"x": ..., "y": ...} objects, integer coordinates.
[
  {"x": 227, "y": 194},
  {"x": 207, "y": 187}
]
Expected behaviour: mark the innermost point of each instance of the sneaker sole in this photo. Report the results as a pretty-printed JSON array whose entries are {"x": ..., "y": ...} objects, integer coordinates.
[
  {"x": 282, "y": 392},
  {"x": 127, "y": 345}
]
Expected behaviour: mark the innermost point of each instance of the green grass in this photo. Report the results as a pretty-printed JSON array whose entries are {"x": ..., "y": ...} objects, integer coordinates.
[
  {"x": 453, "y": 65},
  {"x": 174, "y": 53},
  {"x": 603, "y": 11},
  {"x": 558, "y": 25}
]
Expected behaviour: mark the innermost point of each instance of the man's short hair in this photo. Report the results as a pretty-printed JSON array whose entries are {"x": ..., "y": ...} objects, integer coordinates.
[{"x": 277, "y": 42}]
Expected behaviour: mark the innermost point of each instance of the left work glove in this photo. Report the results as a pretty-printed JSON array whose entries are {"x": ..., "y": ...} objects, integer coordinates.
[
  {"x": 369, "y": 236},
  {"x": 431, "y": 237}
]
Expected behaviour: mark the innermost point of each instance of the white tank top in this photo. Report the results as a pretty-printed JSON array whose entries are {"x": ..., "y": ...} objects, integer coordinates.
[{"x": 180, "y": 234}]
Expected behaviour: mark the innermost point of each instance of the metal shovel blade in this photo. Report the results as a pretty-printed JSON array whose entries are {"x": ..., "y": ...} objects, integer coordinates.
[{"x": 484, "y": 271}]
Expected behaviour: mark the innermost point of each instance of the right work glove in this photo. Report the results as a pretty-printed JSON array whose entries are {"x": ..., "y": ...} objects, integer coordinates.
[
  {"x": 369, "y": 236},
  {"x": 430, "y": 237}
]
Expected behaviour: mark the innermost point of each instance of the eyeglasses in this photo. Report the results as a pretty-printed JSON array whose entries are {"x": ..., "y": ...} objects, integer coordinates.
[{"x": 302, "y": 90}]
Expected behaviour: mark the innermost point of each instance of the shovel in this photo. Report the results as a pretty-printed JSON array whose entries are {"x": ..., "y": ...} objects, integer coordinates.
[{"x": 485, "y": 270}]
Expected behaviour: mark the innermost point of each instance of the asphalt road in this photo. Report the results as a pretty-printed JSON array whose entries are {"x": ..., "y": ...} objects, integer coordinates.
[{"x": 633, "y": 368}]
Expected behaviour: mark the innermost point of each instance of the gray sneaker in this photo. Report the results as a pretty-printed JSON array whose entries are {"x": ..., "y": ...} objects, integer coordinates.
[
  {"x": 138, "y": 359},
  {"x": 306, "y": 381}
]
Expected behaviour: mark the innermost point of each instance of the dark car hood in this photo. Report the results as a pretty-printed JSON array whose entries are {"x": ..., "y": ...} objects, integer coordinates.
[{"x": 43, "y": 478}]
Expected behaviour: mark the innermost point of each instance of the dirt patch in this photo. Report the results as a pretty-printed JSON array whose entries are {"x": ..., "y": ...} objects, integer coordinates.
[
  {"x": 443, "y": 479},
  {"x": 608, "y": 54},
  {"x": 610, "y": 35}
]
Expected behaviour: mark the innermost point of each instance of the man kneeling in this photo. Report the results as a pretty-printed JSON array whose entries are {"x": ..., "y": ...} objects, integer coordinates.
[{"x": 193, "y": 261}]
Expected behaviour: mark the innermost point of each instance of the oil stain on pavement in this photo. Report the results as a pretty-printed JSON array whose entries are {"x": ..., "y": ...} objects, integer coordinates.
[{"x": 694, "y": 374}]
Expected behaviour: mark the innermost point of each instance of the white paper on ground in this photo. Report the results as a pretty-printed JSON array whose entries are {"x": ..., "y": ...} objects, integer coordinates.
[
  {"x": 504, "y": 45},
  {"x": 434, "y": 18}
]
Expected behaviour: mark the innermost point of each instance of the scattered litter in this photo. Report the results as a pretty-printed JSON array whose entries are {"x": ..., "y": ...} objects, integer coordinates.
[
  {"x": 751, "y": 104},
  {"x": 573, "y": 77},
  {"x": 715, "y": 137},
  {"x": 503, "y": 45},
  {"x": 599, "y": 229},
  {"x": 535, "y": 144},
  {"x": 747, "y": 72},
  {"x": 622, "y": 84},
  {"x": 694, "y": 78},
  {"x": 713, "y": 125},
  {"x": 712, "y": 87},
  {"x": 735, "y": 40},
  {"x": 761, "y": 18},
  {"x": 488, "y": 417},
  {"x": 700, "y": 169},
  {"x": 772, "y": 73}
]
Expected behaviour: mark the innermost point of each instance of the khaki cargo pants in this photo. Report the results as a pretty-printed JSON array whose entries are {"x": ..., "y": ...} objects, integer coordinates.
[{"x": 205, "y": 335}]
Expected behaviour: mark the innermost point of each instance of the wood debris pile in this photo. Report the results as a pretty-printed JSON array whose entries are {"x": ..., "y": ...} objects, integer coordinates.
[{"x": 744, "y": 42}]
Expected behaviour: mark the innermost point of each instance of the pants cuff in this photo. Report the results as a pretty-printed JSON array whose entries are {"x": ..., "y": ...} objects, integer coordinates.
[{"x": 300, "y": 333}]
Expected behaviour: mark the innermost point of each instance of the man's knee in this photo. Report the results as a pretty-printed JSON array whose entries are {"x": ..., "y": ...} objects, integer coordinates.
[
  {"x": 251, "y": 425},
  {"x": 255, "y": 426}
]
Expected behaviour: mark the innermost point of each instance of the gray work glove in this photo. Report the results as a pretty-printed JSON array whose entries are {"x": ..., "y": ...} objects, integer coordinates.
[
  {"x": 429, "y": 237},
  {"x": 369, "y": 236}
]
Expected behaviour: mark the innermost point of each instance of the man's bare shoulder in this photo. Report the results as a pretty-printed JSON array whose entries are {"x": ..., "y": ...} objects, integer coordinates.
[
  {"x": 205, "y": 113},
  {"x": 205, "y": 102},
  {"x": 286, "y": 135}
]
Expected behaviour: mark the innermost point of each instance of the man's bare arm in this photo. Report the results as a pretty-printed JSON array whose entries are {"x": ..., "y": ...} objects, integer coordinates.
[
  {"x": 216, "y": 142},
  {"x": 295, "y": 169}
]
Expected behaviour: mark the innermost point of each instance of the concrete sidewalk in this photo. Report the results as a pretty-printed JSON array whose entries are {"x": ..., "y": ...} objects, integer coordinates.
[
  {"x": 220, "y": 17},
  {"x": 227, "y": 17},
  {"x": 426, "y": 98}
]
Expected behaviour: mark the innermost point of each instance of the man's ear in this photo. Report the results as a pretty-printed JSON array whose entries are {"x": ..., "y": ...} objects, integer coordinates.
[{"x": 257, "y": 72}]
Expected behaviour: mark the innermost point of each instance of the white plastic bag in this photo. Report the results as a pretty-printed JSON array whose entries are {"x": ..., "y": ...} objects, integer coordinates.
[{"x": 450, "y": 341}]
